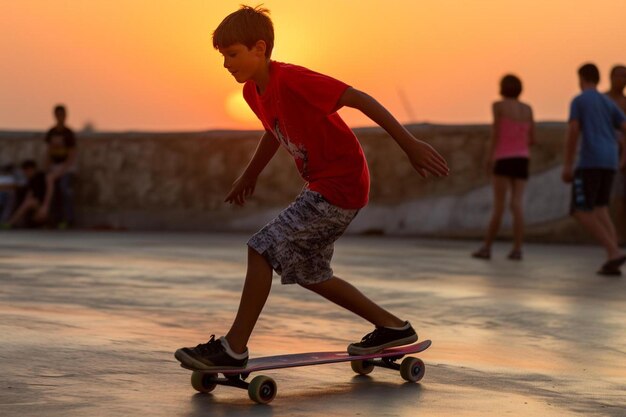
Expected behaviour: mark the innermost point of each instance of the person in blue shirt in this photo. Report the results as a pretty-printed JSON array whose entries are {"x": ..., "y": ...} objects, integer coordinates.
[{"x": 594, "y": 117}]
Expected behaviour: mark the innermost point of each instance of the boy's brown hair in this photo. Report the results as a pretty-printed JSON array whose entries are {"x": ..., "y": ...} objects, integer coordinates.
[
  {"x": 246, "y": 26},
  {"x": 590, "y": 73}
]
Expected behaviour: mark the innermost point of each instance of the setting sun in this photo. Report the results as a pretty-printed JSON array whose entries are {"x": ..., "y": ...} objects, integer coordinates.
[{"x": 240, "y": 112}]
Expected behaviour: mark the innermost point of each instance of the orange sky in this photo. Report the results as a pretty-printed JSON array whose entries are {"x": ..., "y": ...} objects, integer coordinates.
[{"x": 149, "y": 65}]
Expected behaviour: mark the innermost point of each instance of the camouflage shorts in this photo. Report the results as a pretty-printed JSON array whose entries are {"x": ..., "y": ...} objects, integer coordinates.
[{"x": 299, "y": 243}]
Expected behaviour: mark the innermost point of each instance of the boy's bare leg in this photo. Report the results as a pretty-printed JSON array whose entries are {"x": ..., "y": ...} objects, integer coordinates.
[
  {"x": 620, "y": 220},
  {"x": 256, "y": 289},
  {"x": 591, "y": 221},
  {"x": 349, "y": 297},
  {"x": 604, "y": 216}
]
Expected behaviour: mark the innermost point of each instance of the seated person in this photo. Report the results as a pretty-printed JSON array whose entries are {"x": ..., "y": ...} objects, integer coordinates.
[
  {"x": 39, "y": 191},
  {"x": 7, "y": 192}
]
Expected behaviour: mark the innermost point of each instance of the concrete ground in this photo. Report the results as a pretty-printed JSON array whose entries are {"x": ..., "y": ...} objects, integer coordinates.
[{"x": 89, "y": 323}]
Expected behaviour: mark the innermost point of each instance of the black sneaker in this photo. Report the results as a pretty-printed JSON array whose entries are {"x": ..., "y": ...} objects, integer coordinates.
[
  {"x": 382, "y": 338},
  {"x": 214, "y": 353},
  {"x": 612, "y": 267}
]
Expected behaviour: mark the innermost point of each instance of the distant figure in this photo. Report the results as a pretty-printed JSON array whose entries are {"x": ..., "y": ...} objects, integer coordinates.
[
  {"x": 298, "y": 109},
  {"x": 60, "y": 161},
  {"x": 594, "y": 116},
  {"x": 616, "y": 93},
  {"x": 39, "y": 192},
  {"x": 512, "y": 135},
  {"x": 8, "y": 185}
]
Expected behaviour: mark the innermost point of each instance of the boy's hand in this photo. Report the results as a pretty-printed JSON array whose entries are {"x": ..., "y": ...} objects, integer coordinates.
[
  {"x": 568, "y": 174},
  {"x": 242, "y": 188},
  {"x": 425, "y": 159}
]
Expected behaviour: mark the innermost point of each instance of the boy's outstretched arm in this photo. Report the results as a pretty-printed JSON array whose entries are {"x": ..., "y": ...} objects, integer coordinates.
[
  {"x": 571, "y": 144},
  {"x": 423, "y": 157},
  {"x": 243, "y": 187}
]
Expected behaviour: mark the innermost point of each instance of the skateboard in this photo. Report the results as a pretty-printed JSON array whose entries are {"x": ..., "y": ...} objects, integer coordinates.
[{"x": 262, "y": 389}]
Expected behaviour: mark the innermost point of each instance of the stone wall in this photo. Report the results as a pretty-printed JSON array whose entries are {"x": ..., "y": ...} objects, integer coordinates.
[{"x": 178, "y": 181}]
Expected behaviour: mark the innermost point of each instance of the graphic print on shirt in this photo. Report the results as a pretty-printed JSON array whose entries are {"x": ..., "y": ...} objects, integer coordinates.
[{"x": 298, "y": 152}]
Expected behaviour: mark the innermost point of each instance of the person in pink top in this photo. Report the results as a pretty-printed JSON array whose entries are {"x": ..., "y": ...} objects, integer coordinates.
[
  {"x": 512, "y": 135},
  {"x": 298, "y": 110}
]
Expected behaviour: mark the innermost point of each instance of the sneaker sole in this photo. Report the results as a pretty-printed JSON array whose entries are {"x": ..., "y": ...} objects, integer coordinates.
[
  {"x": 355, "y": 351},
  {"x": 191, "y": 362},
  {"x": 610, "y": 272}
]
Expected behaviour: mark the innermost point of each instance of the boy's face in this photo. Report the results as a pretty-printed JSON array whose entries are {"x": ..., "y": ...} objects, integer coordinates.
[
  {"x": 243, "y": 63},
  {"x": 60, "y": 116}
]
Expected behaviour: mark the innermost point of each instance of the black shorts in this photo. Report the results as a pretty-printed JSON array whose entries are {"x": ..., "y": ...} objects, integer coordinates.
[
  {"x": 511, "y": 167},
  {"x": 591, "y": 188}
]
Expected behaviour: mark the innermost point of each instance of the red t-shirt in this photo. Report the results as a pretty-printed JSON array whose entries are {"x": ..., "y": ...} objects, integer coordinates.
[{"x": 299, "y": 107}]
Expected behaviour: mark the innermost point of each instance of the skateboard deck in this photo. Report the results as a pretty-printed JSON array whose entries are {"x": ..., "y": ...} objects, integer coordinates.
[{"x": 262, "y": 389}]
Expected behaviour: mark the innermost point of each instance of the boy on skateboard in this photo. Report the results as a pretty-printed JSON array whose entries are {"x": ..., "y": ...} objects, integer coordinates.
[{"x": 298, "y": 109}]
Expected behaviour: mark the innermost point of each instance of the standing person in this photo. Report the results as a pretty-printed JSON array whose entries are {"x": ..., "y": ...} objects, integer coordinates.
[
  {"x": 298, "y": 109},
  {"x": 594, "y": 116},
  {"x": 60, "y": 161},
  {"x": 513, "y": 133},
  {"x": 616, "y": 93}
]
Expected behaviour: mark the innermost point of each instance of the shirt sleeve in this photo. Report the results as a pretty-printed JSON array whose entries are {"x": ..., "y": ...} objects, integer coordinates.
[{"x": 318, "y": 90}]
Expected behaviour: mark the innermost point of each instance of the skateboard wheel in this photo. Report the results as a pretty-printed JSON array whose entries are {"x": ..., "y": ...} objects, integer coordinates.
[
  {"x": 262, "y": 389},
  {"x": 361, "y": 367},
  {"x": 412, "y": 369},
  {"x": 203, "y": 382}
]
